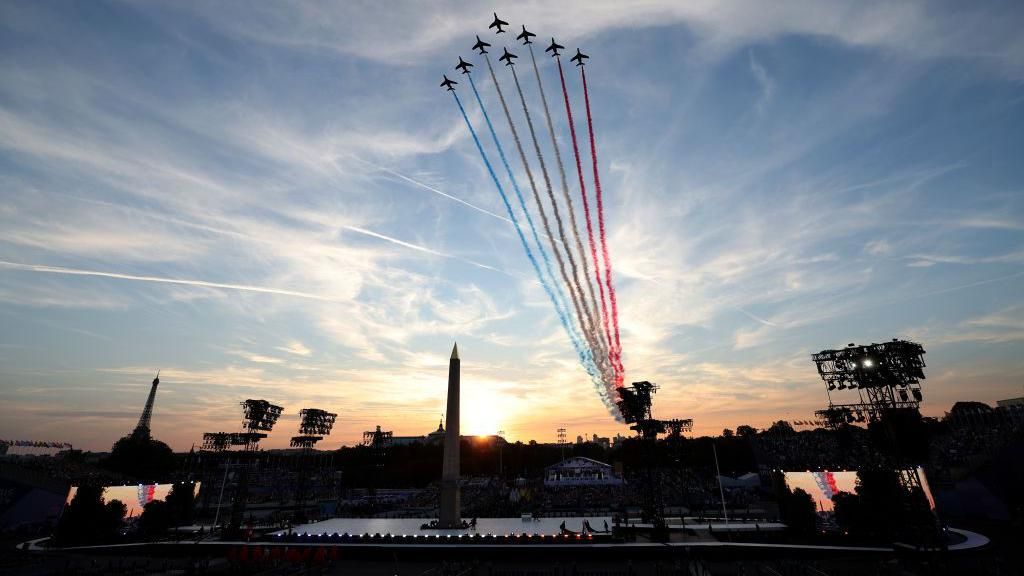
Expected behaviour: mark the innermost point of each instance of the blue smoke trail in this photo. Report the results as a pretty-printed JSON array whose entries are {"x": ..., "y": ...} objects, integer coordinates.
[{"x": 585, "y": 356}]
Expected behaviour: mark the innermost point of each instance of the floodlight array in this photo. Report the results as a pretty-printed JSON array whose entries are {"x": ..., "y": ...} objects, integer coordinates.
[
  {"x": 635, "y": 401},
  {"x": 305, "y": 441},
  {"x": 220, "y": 441},
  {"x": 897, "y": 364},
  {"x": 378, "y": 439},
  {"x": 216, "y": 441},
  {"x": 678, "y": 426},
  {"x": 260, "y": 415},
  {"x": 316, "y": 422}
]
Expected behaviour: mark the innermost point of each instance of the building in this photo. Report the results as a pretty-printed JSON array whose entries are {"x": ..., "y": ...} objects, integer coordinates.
[
  {"x": 435, "y": 437},
  {"x": 580, "y": 471}
]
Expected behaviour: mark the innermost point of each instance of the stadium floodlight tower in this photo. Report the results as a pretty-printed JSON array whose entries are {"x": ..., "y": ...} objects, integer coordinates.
[
  {"x": 886, "y": 377},
  {"x": 635, "y": 406},
  {"x": 314, "y": 424},
  {"x": 379, "y": 442},
  {"x": 258, "y": 418}
]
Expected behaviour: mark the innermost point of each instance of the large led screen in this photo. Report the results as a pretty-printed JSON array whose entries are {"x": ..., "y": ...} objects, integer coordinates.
[
  {"x": 135, "y": 497},
  {"x": 825, "y": 484}
]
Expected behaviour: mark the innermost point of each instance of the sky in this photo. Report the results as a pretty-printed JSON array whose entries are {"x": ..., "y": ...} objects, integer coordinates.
[{"x": 276, "y": 200}]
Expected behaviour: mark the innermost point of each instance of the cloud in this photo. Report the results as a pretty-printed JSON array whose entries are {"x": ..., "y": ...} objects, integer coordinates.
[
  {"x": 878, "y": 248},
  {"x": 297, "y": 348},
  {"x": 764, "y": 81},
  {"x": 915, "y": 29}
]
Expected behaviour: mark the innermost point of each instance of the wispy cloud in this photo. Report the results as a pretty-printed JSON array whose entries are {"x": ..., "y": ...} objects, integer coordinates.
[
  {"x": 764, "y": 81},
  {"x": 297, "y": 348}
]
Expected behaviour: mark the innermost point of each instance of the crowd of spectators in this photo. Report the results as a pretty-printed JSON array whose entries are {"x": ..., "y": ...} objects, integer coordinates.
[
  {"x": 972, "y": 436},
  {"x": 63, "y": 467}
]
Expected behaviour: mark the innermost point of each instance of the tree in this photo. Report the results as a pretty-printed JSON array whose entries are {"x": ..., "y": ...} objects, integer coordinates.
[
  {"x": 180, "y": 503},
  {"x": 881, "y": 502},
  {"x": 744, "y": 430},
  {"x": 798, "y": 511},
  {"x": 727, "y": 433},
  {"x": 846, "y": 509},
  {"x": 155, "y": 519},
  {"x": 87, "y": 520},
  {"x": 781, "y": 427},
  {"x": 140, "y": 457},
  {"x": 113, "y": 516}
]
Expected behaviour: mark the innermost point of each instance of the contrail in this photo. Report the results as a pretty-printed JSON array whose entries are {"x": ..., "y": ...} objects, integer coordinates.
[
  {"x": 593, "y": 329},
  {"x": 590, "y": 228},
  {"x": 420, "y": 248},
  {"x": 600, "y": 220},
  {"x": 755, "y": 317},
  {"x": 515, "y": 186},
  {"x": 558, "y": 219},
  {"x": 251, "y": 238},
  {"x": 163, "y": 280},
  {"x": 515, "y": 222},
  {"x": 430, "y": 188}
]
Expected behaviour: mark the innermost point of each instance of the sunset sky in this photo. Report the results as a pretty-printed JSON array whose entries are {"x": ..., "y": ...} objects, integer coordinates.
[{"x": 276, "y": 200}]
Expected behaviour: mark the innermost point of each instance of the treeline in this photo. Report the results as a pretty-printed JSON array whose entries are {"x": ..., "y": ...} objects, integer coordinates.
[{"x": 418, "y": 465}]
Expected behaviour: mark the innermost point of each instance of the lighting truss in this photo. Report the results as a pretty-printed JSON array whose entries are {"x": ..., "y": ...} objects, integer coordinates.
[
  {"x": 259, "y": 415},
  {"x": 314, "y": 424},
  {"x": 677, "y": 426},
  {"x": 635, "y": 401},
  {"x": 888, "y": 373},
  {"x": 379, "y": 440},
  {"x": 216, "y": 441}
]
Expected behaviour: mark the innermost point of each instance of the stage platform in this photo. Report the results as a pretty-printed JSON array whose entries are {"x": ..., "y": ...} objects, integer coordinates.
[
  {"x": 510, "y": 526},
  {"x": 484, "y": 526}
]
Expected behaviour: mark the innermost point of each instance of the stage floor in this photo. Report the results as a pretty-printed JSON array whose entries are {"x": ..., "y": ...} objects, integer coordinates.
[{"x": 410, "y": 526}]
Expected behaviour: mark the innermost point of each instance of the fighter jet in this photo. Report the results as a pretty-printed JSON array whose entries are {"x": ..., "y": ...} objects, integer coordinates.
[
  {"x": 578, "y": 58},
  {"x": 498, "y": 23},
  {"x": 525, "y": 36},
  {"x": 448, "y": 83},
  {"x": 463, "y": 66},
  {"x": 480, "y": 45},
  {"x": 554, "y": 48},
  {"x": 507, "y": 57}
]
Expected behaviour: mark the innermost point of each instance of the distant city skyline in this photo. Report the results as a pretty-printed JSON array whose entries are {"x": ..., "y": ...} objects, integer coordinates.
[{"x": 277, "y": 201}]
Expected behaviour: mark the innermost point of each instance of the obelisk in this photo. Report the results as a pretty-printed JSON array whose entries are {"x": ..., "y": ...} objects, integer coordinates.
[{"x": 450, "y": 510}]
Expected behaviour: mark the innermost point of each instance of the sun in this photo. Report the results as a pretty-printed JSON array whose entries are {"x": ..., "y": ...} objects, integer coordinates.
[{"x": 481, "y": 414}]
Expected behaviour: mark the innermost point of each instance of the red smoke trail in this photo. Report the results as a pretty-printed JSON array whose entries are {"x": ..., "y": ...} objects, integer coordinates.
[
  {"x": 600, "y": 220},
  {"x": 590, "y": 229}
]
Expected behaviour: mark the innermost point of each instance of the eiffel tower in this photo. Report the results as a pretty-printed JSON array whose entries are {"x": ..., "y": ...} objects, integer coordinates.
[{"x": 142, "y": 428}]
